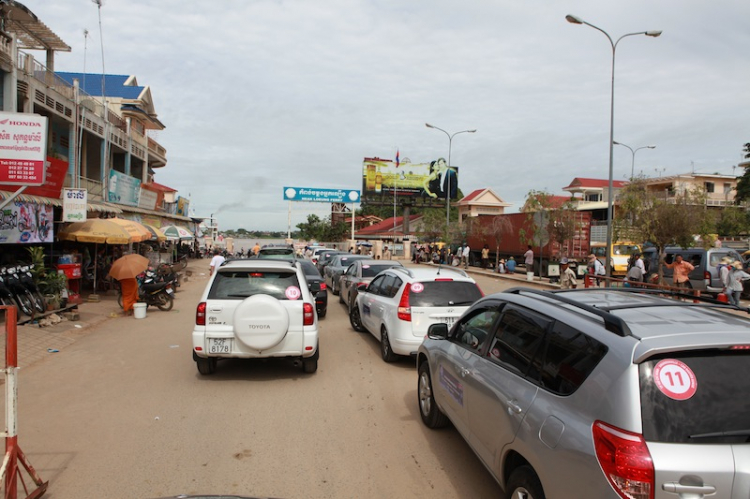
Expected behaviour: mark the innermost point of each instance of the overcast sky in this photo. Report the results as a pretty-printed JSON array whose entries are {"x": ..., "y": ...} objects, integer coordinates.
[{"x": 258, "y": 95}]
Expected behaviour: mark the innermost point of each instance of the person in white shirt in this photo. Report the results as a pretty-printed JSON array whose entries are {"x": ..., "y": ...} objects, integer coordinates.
[
  {"x": 465, "y": 255},
  {"x": 216, "y": 262}
]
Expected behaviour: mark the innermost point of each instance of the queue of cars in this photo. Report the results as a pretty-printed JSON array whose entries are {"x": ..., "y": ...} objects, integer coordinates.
[{"x": 589, "y": 393}]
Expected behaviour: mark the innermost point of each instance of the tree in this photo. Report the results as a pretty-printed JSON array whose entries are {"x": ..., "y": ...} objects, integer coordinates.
[
  {"x": 433, "y": 226},
  {"x": 732, "y": 221},
  {"x": 663, "y": 220},
  {"x": 743, "y": 185},
  {"x": 557, "y": 221}
]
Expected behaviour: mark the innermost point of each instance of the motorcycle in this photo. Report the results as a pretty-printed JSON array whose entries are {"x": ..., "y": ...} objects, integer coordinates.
[
  {"x": 152, "y": 293},
  {"x": 21, "y": 295},
  {"x": 27, "y": 279},
  {"x": 166, "y": 273},
  {"x": 6, "y": 295}
]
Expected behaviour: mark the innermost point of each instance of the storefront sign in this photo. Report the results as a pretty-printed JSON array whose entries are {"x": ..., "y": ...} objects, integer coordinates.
[
  {"x": 320, "y": 195},
  {"x": 23, "y": 144},
  {"x": 26, "y": 223},
  {"x": 54, "y": 179},
  {"x": 74, "y": 205},
  {"x": 123, "y": 189},
  {"x": 147, "y": 199}
]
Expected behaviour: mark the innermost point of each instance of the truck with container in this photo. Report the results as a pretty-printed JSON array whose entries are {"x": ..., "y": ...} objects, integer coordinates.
[{"x": 521, "y": 232}]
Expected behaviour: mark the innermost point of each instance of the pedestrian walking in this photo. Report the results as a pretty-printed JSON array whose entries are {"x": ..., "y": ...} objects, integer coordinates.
[
  {"x": 387, "y": 254},
  {"x": 734, "y": 282},
  {"x": 595, "y": 269},
  {"x": 680, "y": 272},
  {"x": 216, "y": 262},
  {"x": 528, "y": 259},
  {"x": 485, "y": 256},
  {"x": 568, "y": 278},
  {"x": 465, "y": 255}
]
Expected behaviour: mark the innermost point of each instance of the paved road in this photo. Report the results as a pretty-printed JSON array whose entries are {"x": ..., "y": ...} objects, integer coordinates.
[{"x": 123, "y": 413}]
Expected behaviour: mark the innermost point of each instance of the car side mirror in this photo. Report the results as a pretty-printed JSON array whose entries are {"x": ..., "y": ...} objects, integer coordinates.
[
  {"x": 438, "y": 331},
  {"x": 362, "y": 286},
  {"x": 314, "y": 287}
]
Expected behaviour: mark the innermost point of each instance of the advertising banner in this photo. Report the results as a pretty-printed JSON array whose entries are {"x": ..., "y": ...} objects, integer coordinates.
[
  {"x": 23, "y": 146},
  {"x": 381, "y": 177},
  {"x": 54, "y": 179},
  {"x": 74, "y": 205},
  {"x": 147, "y": 199},
  {"x": 320, "y": 195},
  {"x": 26, "y": 223},
  {"x": 123, "y": 189},
  {"x": 183, "y": 206}
]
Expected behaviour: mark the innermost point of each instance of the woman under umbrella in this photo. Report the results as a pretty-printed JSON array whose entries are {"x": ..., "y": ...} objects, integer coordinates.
[{"x": 125, "y": 270}]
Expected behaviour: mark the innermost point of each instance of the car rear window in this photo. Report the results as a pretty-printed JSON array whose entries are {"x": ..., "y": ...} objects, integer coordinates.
[
  {"x": 444, "y": 294},
  {"x": 373, "y": 270},
  {"x": 309, "y": 268},
  {"x": 239, "y": 284},
  {"x": 697, "y": 397}
]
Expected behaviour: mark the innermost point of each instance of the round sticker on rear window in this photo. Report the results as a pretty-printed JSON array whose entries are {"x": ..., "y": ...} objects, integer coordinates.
[
  {"x": 293, "y": 293},
  {"x": 417, "y": 287},
  {"x": 365, "y": 266},
  {"x": 675, "y": 379}
]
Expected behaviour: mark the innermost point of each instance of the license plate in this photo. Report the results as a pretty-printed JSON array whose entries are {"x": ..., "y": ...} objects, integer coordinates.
[
  {"x": 219, "y": 345},
  {"x": 170, "y": 291}
]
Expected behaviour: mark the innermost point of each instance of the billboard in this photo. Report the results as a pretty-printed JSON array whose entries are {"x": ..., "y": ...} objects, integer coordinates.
[
  {"x": 23, "y": 146},
  {"x": 320, "y": 195},
  {"x": 383, "y": 177}
]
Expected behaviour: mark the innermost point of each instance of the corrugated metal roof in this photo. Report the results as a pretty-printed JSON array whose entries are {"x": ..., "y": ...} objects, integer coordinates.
[{"x": 114, "y": 85}]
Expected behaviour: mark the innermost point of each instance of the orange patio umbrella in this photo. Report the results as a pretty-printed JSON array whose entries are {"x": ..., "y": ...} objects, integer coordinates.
[
  {"x": 95, "y": 230},
  {"x": 138, "y": 232}
]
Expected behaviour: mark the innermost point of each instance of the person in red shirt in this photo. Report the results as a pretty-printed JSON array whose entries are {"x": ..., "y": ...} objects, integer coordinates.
[{"x": 681, "y": 270}]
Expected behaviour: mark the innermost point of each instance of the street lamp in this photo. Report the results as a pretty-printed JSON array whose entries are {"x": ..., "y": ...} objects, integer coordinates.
[
  {"x": 448, "y": 190},
  {"x": 632, "y": 167},
  {"x": 577, "y": 20}
]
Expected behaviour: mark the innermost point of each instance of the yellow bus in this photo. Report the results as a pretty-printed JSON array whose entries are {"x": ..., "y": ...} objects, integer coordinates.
[{"x": 620, "y": 254}]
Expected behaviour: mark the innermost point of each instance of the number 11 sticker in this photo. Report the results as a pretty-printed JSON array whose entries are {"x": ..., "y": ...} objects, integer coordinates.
[{"x": 675, "y": 379}]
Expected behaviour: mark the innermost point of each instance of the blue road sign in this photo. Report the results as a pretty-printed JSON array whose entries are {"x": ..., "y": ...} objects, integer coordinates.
[{"x": 321, "y": 195}]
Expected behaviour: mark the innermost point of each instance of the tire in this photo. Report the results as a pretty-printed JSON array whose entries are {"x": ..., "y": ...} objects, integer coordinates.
[
  {"x": 432, "y": 416},
  {"x": 39, "y": 304},
  {"x": 310, "y": 365},
  {"x": 206, "y": 366},
  {"x": 341, "y": 298},
  {"x": 322, "y": 313},
  {"x": 166, "y": 302},
  {"x": 333, "y": 288},
  {"x": 25, "y": 304},
  {"x": 524, "y": 484},
  {"x": 385, "y": 347},
  {"x": 355, "y": 319}
]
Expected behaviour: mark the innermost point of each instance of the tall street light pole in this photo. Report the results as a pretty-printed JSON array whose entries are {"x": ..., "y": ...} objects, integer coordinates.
[
  {"x": 577, "y": 20},
  {"x": 632, "y": 167},
  {"x": 448, "y": 191}
]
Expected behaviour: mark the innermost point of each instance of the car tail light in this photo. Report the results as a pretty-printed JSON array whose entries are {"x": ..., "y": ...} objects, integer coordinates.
[
  {"x": 707, "y": 276},
  {"x": 625, "y": 461},
  {"x": 200, "y": 314},
  {"x": 323, "y": 286},
  {"x": 740, "y": 347},
  {"x": 443, "y": 279},
  {"x": 404, "y": 311},
  {"x": 308, "y": 314}
]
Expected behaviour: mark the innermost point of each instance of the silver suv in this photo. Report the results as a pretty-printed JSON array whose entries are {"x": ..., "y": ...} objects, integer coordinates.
[
  {"x": 257, "y": 309},
  {"x": 598, "y": 393}
]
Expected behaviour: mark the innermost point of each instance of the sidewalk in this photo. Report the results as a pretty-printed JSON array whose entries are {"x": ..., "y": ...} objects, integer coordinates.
[{"x": 37, "y": 343}]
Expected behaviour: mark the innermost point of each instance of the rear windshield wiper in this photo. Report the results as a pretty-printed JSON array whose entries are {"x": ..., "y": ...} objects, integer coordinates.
[
  {"x": 733, "y": 433},
  {"x": 238, "y": 296}
]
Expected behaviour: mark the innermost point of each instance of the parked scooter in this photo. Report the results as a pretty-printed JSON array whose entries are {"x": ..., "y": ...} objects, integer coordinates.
[
  {"x": 27, "y": 279},
  {"x": 6, "y": 295},
  {"x": 21, "y": 295},
  {"x": 166, "y": 273},
  {"x": 150, "y": 292}
]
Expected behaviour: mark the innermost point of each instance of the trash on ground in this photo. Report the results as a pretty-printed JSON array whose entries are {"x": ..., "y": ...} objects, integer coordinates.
[
  {"x": 53, "y": 350},
  {"x": 79, "y": 326},
  {"x": 174, "y": 346}
]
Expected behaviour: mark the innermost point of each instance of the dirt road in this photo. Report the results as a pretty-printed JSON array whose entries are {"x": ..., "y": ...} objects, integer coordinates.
[{"x": 123, "y": 413}]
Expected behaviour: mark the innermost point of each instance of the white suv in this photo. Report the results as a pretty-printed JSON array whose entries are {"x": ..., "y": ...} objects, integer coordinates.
[
  {"x": 400, "y": 304},
  {"x": 257, "y": 309}
]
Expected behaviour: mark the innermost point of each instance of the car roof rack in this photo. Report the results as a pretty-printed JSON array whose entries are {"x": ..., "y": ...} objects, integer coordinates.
[
  {"x": 706, "y": 301},
  {"x": 612, "y": 323}
]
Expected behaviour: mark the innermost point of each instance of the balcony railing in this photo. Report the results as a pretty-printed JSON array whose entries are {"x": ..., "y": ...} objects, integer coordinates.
[{"x": 95, "y": 188}]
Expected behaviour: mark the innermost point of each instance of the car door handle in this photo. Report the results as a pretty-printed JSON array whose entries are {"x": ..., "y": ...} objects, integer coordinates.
[
  {"x": 678, "y": 488},
  {"x": 513, "y": 407}
]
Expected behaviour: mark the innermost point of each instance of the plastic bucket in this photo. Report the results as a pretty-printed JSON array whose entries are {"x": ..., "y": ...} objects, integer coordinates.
[
  {"x": 529, "y": 276},
  {"x": 139, "y": 310}
]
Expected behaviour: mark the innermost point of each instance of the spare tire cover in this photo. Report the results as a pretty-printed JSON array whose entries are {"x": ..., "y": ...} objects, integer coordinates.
[{"x": 260, "y": 322}]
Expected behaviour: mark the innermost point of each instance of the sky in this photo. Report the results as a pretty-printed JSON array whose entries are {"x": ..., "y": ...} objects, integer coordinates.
[{"x": 257, "y": 95}]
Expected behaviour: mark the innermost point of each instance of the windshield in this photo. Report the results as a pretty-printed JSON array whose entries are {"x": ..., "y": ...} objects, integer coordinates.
[{"x": 625, "y": 249}]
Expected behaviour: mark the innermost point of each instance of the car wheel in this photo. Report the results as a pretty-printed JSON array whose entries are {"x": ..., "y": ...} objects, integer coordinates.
[
  {"x": 206, "y": 366},
  {"x": 341, "y": 298},
  {"x": 333, "y": 288},
  {"x": 431, "y": 414},
  {"x": 385, "y": 347},
  {"x": 355, "y": 319},
  {"x": 524, "y": 484},
  {"x": 322, "y": 313}
]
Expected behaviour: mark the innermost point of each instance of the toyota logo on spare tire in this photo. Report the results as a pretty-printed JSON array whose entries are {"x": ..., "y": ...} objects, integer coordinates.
[{"x": 261, "y": 322}]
